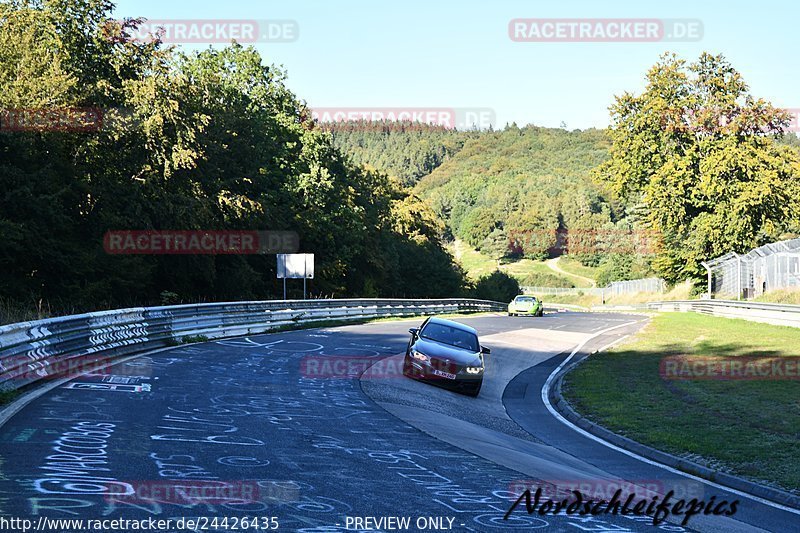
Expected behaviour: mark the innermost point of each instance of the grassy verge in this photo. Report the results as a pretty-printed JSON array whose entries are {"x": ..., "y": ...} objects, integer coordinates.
[
  {"x": 538, "y": 274},
  {"x": 573, "y": 266},
  {"x": 783, "y": 296},
  {"x": 682, "y": 291},
  {"x": 7, "y": 396},
  {"x": 526, "y": 271},
  {"x": 748, "y": 428},
  {"x": 578, "y": 298},
  {"x": 11, "y": 312},
  {"x": 475, "y": 263}
]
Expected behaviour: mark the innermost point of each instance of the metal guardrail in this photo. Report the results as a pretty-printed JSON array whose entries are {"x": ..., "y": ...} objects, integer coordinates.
[
  {"x": 32, "y": 351},
  {"x": 769, "y": 313}
]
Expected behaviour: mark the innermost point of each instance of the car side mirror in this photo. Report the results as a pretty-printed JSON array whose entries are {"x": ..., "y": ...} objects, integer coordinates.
[
  {"x": 413, "y": 331},
  {"x": 485, "y": 350}
]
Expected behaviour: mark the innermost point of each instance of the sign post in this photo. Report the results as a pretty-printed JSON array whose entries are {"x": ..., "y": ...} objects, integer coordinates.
[{"x": 294, "y": 266}]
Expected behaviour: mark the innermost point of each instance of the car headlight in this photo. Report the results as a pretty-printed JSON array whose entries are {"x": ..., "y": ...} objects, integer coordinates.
[
  {"x": 421, "y": 356},
  {"x": 474, "y": 370}
]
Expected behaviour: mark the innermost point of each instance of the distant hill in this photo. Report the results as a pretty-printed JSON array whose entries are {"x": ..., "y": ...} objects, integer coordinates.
[
  {"x": 520, "y": 186},
  {"x": 405, "y": 150}
]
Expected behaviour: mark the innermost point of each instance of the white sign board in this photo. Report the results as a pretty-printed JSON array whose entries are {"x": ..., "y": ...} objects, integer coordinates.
[{"x": 295, "y": 266}]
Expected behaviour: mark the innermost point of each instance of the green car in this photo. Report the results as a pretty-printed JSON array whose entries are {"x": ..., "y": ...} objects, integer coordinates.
[{"x": 525, "y": 305}]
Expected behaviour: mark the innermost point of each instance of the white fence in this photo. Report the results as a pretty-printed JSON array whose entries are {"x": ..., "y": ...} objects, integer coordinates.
[
  {"x": 769, "y": 267},
  {"x": 654, "y": 285},
  {"x": 649, "y": 285},
  {"x": 559, "y": 290}
]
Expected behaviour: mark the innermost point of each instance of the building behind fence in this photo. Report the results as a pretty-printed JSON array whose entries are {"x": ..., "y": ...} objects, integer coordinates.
[{"x": 769, "y": 267}]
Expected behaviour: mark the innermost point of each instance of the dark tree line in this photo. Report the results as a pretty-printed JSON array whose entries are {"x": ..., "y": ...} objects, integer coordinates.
[
  {"x": 405, "y": 150},
  {"x": 210, "y": 141}
]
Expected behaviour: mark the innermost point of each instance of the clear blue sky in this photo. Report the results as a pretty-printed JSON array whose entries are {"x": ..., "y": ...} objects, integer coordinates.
[{"x": 448, "y": 53}]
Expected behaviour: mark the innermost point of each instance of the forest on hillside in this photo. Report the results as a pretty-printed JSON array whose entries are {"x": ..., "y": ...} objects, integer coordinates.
[
  {"x": 520, "y": 180},
  {"x": 211, "y": 140},
  {"x": 672, "y": 182},
  {"x": 528, "y": 192},
  {"x": 405, "y": 150},
  {"x": 214, "y": 140}
]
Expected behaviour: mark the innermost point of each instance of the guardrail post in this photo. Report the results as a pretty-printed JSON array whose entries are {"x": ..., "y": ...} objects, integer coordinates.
[
  {"x": 738, "y": 276},
  {"x": 708, "y": 270}
]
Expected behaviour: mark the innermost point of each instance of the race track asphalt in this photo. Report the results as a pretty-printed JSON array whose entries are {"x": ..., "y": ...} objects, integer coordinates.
[{"x": 318, "y": 428}]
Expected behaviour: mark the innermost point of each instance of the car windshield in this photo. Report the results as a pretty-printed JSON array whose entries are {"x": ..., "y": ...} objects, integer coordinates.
[
  {"x": 524, "y": 299},
  {"x": 449, "y": 335}
]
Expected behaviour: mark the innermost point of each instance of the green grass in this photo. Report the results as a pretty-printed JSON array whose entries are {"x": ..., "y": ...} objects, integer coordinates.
[
  {"x": 783, "y": 296},
  {"x": 523, "y": 269},
  {"x": 681, "y": 291},
  {"x": 12, "y": 312},
  {"x": 748, "y": 428},
  {"x": 7, "y": 396},
  {"x": 574, "y": 266},
  {"x": 477, "y": 264},
  {"x": 579, "y": 298},
  {"x": 192, "y": 339}
]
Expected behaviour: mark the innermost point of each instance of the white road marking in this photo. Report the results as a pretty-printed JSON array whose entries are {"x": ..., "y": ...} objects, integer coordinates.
[
  {"x": 557, "y": 415},
  {"x": 610, "y": 344}
]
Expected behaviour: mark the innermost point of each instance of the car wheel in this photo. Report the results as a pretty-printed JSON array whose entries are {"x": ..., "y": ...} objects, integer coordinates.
[
  {"x": 510, "y": 314},
  {"x": 540, "y": 313}
]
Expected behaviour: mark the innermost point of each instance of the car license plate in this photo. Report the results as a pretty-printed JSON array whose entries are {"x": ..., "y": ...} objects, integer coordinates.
[{"x": 444, "y": 374}]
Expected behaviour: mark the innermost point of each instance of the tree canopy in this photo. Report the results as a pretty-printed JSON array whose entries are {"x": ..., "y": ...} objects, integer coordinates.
[
  {"x": 698, "y": 151},
  {"x": 210, "y": 140},
  {"x": 403, "y": 149},
  {"x": 523, "y": 184}
]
